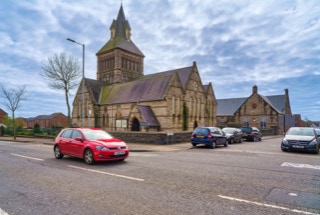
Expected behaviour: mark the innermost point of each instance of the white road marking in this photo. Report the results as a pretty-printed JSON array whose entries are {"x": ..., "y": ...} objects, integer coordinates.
[
  {"x": 297, "y": 165},
  {"x": 107, "y": 173},
  {"x": 38, "y": 159},
  {"x": 267, "y": 205},
  {"x": 2, "y": 212}
]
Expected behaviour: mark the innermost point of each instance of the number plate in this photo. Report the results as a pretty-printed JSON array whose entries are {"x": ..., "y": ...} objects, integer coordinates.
[
  {"x": 200, "y": 136},
  {"x": 119, "y": 153},
  {"x": 297, "y": 147}
]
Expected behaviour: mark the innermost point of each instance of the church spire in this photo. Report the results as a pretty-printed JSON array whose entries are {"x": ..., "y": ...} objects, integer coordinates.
[
  {"x": 120, "y": 28},
  {"x": 119, "y": 60}
]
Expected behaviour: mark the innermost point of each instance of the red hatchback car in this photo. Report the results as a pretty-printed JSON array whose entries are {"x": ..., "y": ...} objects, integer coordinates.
[{"x": 92, "y": 144}]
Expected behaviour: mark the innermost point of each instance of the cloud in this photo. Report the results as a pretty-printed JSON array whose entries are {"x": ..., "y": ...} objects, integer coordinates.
[{"x": 236, "y": 44}]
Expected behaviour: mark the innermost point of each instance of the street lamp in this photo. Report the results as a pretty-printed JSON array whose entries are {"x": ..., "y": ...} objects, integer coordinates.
[{"x": 83, "y": 50}]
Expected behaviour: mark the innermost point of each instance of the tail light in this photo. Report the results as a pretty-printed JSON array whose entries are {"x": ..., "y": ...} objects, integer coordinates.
[{"x": 210, "y": 136}]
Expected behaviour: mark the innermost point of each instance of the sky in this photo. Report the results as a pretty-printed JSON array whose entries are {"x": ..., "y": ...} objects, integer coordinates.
[{"x": 273, "y": 44}]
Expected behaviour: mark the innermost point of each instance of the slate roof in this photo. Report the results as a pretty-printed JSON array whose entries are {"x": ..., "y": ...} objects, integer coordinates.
[
  {"x": 277, "y": 102},
  {"x": 120, "y": 41},
  {"x": 183, "y": 73},
  {"x": 146, "y": 88},
  {"x": 228, "y": 107},
  {"x": 94, "y": 86},
  {"x": 148, "y": 115}
]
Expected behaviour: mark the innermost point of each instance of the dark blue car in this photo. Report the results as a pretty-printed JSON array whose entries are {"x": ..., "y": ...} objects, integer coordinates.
[{"x": 209, "y": 136}]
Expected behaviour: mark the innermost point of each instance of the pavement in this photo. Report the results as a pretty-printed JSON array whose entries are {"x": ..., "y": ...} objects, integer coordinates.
[{"x": 134, "y": 147}]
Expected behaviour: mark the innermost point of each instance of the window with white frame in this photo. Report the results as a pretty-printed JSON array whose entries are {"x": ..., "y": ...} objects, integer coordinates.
[
  {"x": 263, "y": 122},
  {"x": 246, "y": 121}
]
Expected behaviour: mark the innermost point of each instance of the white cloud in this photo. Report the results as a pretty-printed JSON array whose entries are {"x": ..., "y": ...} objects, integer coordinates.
[{"x": 235, "y": 43}]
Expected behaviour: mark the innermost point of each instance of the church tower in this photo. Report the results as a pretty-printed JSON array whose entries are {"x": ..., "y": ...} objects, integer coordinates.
[{"x": 119, "y": 60}]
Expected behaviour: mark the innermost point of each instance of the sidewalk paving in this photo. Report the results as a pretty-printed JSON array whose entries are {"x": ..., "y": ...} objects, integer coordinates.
[{"x": 134, "y": 147}]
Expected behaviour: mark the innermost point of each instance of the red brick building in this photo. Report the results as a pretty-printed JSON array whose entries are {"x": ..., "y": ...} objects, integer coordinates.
[
  {"x": 3, "y": 114},
  {"x": 48, "y": 121}
]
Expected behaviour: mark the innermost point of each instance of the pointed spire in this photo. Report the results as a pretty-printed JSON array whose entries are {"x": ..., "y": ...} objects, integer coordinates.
[
  {"x": 121, "y": 17},
  {"x": 120, "y": 28}
]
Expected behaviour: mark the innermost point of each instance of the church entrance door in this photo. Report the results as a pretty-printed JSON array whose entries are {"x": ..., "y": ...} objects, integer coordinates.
[{"x": 135, "y": 125}]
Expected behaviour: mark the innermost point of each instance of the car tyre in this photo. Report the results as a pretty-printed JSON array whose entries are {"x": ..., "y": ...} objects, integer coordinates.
[
  {"x": 57, "y": 152},
  {"x": 194, "y": 145},
  {"x": 226, "y": 144},
  {"x": 213, "y": 145},
  {"x": 88, "y": 157},
  {"x": 317, "y": 149},
  {"x": 231, "y": 141},
  {"x": 283, "y": 149}
]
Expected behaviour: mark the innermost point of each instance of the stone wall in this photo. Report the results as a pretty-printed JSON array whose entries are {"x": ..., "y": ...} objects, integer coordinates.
[{"x": 153, "y": 137}]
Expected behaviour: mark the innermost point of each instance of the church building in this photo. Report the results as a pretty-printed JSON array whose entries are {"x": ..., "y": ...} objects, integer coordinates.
[{"x": 122, "y": 98}]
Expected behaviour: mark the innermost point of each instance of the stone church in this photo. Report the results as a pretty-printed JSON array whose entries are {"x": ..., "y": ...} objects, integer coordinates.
[{"x": 122, "y": 98}]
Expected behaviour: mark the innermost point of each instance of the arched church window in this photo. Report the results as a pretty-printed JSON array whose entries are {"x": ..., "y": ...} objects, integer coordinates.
[{"x": 173, "y": 105}]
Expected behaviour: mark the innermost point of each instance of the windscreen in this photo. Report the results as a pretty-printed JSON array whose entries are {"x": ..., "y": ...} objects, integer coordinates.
[
  {"x": 96, "y": 135},
  {"x": 301, "y": 131}
]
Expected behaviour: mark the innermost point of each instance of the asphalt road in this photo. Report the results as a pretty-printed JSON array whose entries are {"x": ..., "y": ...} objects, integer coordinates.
[{"x": 247, "y": 178}]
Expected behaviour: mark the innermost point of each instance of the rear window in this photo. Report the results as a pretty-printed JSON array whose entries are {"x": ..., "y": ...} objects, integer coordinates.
[
  {"x": 203, "y": 131},
  {"x": 246, "y": 130}
]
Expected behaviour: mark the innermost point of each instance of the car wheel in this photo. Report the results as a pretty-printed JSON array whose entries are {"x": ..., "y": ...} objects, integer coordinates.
[
  {"x": 283, "y": 149},
  {"x": 226, "y": 144},
  {"x": 194, "y": 145},
  {"x": 57, "y": 152},
  {"x": 317, "y": 149},
  {"x": 213, "y": 145},
  {"x": 88, "y": 157},
  {"x": 231, "y": 141}
]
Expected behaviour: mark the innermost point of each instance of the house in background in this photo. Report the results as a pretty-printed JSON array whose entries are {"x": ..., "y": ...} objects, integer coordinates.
[
  {"x": 48, "y": 121},
  {"x": 3, "y": 115},
  {"x": 269, "y": 113},
  {"x": 299, "y": 121}
]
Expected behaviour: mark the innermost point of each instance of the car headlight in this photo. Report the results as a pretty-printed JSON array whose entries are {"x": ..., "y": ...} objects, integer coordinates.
[
  {"x": 284, "y": 141},
  {"x": 101, "y": 148},
  {"x": 313, "y": 142}
]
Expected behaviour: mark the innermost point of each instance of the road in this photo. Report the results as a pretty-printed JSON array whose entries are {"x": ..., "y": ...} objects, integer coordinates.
[{"x": 247, "y": 178}]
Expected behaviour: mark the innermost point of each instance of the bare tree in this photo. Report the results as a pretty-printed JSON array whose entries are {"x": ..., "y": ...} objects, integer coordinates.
[
  {"x": 63, "y": 73},
  {"x": 13, "y": 97}
]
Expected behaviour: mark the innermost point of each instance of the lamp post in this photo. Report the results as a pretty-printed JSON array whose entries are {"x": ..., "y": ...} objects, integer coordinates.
[{"x": 83, "y": 50}]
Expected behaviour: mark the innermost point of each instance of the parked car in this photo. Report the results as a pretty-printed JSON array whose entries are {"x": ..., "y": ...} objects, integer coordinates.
[
  {"x": 301, "y": 139},
  {"x": 234, "y": 135},
  {"x": 93, "y": 145},
  {"x": 209, "y": 136},
  {"x": 251, "y": 133},
  {"x": 318, "y": 134}
]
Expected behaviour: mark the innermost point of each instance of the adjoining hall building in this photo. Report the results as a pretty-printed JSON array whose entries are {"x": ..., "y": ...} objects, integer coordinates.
[
  {"x": 271, "y": 113},
  {"x": 124, "y": 99}
]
